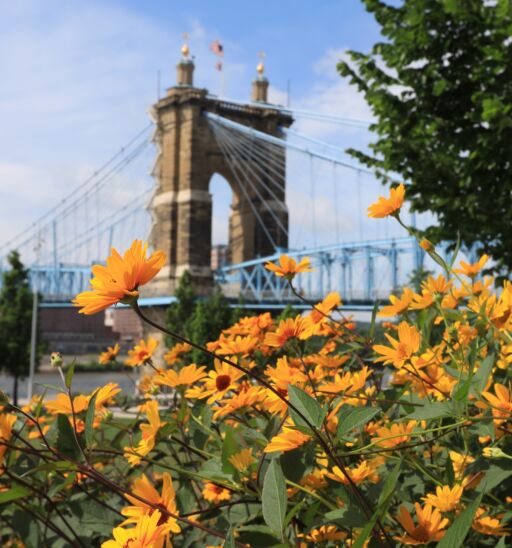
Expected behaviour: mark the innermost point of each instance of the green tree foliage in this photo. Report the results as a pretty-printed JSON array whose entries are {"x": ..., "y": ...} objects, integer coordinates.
[
  {"x": 179, "y": 313},
  {"x": 201, "y": 320},
  {"x": 15, "y": 321},
  {"x": 210, "y": 317},
  {"x": 440, "y": 88}
]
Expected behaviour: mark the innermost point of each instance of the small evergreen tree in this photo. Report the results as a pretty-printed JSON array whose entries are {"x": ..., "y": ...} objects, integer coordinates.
[
  {"x": 210, "y": 317},
  {"x": 15, "y": 321},
  {"x": 180, "y": 313}
]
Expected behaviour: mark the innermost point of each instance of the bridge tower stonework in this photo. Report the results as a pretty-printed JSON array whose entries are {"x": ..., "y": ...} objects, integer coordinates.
[{"x": 188, "y": 157}]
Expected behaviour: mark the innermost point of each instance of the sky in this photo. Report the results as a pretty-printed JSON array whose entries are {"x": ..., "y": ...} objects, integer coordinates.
[{"x": 78, "y": 79}]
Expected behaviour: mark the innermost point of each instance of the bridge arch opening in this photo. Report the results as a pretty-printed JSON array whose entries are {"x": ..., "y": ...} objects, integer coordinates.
[{"x": 222, "y": 195}]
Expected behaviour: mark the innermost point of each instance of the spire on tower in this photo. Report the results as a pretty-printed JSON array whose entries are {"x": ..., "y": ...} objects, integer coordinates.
[
  {"x": 260, "y": 83},
  {"x": 185, "y": 67}
]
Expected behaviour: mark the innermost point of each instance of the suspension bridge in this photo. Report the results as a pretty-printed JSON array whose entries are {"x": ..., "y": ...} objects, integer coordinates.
[{"x": 292, "y": 192}]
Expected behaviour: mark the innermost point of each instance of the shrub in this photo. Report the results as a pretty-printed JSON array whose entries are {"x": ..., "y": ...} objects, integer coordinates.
[{"x": 303, "y": 432}]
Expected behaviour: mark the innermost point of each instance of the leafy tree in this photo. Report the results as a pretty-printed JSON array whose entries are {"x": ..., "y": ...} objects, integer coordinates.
[
  {"x": 440, "y": 88},
  {"x": 179, "y": 313},
  {"x": 210, "y": 317},
  {"x": 15, "y": 321},
  {"x": 199, "y": 320}
]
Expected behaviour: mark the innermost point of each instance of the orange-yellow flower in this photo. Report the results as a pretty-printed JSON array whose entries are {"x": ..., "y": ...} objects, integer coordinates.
[
  {"x": 149, "y": 432},
  {"x": 147, "y": 533},
  {"x": 395, "y": 435},
  {"x": 325, "y": 533},
  {"x": 110, "y": 354},
  {"x": 288, "y": 267},
  {"x": 218, "y": 383},
  {"x": 358, "y": 474},
  {"x": 291, "y": 328},
  {"x": 142, "y": 488},
  {"x": 446, "y": 498},
  {"x": 287, "y": 440},
  {"x": 175, "y": 353},
  {"x": 62, "y": 404},
  {"x": 398, "y": 305},
  {"x": 430, "y": 525},
  {"x": 242, "y": 460},
  {"x": 501, "y": 403},
  {"x": 472, "y": 269},
  {"x": 7, "y": 421},
  {"x": 460, "y": 462},
  {"x": 237, "y": 345},
  {"x": 488, "y": 525},
  {"x": 215, "y": 493},
  {"x": 388, "y": 206},
  {"x": 142, "y": 352},
  {"x": 120, "y": 279},
  {"x": 403, "y": 349},
  {"x": 184, "y": 377}
]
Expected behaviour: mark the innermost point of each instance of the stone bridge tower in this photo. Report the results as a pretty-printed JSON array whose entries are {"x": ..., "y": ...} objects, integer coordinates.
[{"x": 188, "y": 158}]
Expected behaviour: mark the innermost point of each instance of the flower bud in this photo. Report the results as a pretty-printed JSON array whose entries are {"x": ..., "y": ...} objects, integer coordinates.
[
  {"x": 56, "y": 359},
  {"x": 427, "y": 245},
  {"x": 493, "y": 453}
]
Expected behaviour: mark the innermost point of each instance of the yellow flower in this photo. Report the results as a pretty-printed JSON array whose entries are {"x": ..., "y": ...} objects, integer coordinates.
[
  {"x": 402, "y": 350},
  {"x": 6, "y": 423},
  {"x": 446, "y": 498},
  {"x": 398, "y": 305},
  {"x": 501, "y": 403},
  {"x": 460, "y": 462},
  {"x": 218, "y": 383},
  {"x": 110, "y": 354},
  {"x": 215, "y": 493},
  {"x": 325, "y": 533},
  {"x": 291, "y": 328},
  {"x": 288, "y": 267},
  {"x": 287, "y": 440},
  {"x": 147, "y": 533},
  {"x": 472, "y": 269},
  {"x": 237, "y": 345},
  {"x": 364, "y": 470},
  {"x": 488, "y": 525},
  {"x": 149, "y": 432},
  {"x": 142, "y": 352},
  {"x": 143, "y": 488},
  {"x": 397, "y": 434},
  {"x": 184, "y": 377},
  {"x": 242, "y": 460},
  {"x": 120, "y": 279},
  {"x": 62, "y": 404},
  {"x": 385, "y": 207},
  {"x": 172, "y": 355},
  {"x": 430, "y": 525}
]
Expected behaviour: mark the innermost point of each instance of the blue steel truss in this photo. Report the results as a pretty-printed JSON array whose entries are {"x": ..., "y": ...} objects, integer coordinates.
[{"x": 360, "y": 271}]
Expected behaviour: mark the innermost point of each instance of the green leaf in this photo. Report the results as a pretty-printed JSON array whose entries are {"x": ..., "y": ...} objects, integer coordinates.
[
  {"x": 16, "y": 492},
  {"x": 66, "y": 443},
  {"x": 385, "y": 498},
  {"x": 431, "y": 411},
  {"x": 89, "y": 421},
  {"x": 455, "y": 251},
  {"x": 69, "y": 375},
  {"x": 456, "y": 534},
  {"x": 229, "y": 448},
  {"x": 354, "y": 417},
  {"x": 481, "y": 377},
  {"x": 494, "y": 476},
  {"x": 274, "y": 497},
  {"x": 307, "y": 405}
]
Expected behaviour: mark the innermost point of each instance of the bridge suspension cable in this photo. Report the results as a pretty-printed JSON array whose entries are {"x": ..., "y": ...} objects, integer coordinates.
[
  {"x": 70, "y": 203},
  {"x": 304, "y": 113}
]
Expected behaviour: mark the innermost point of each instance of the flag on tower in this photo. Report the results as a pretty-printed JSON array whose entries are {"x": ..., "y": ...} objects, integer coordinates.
[{"x": 217, "y": 48}]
